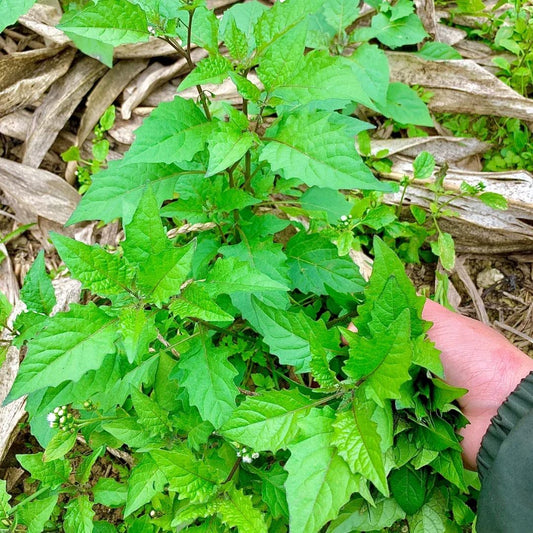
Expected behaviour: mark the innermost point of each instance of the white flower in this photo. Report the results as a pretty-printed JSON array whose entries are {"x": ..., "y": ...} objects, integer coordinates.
[
  {"x": 255, "y": 455},
  {"x": 344, "y": 218},
  {"x": 51, "y": 417},
  {"x": 247, "y": 459}
]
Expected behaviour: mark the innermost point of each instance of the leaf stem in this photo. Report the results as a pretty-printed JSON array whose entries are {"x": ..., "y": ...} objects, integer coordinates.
[{"x": 36, "y": 494}]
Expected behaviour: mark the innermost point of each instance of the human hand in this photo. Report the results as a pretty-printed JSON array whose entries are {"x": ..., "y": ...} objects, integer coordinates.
[{"x": 477, "y": 358}]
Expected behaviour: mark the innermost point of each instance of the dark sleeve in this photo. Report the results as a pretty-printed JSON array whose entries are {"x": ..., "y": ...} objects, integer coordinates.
[{"x": 505, "y": 466}]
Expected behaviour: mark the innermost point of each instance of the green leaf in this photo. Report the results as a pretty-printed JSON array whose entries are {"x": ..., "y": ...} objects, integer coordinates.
[
  {"x": 268, "y": 421},
  {"x": 321, "y": 79},
  {"x": 339, "y": 14},
  {"x": 145, "y": 481},
  {"x": 99, "y": 271},
  {"x": 435, "y": 51},
  {"x": 359, "y": 515},
  {"x": 232, "y": 275},
  {"x": 405, "y": 106},
  {"x": 245, "y": 87},
  {"x": 318, "y": 150},
  {"x": 195, "y": 302},
  {"x": 291, "y": 336},
  {"x": 449, "y": 465},
  {"x": 213, "y": 69},
  {"x": 5, "y": 508},
  {"x": 280, "y": 60},
  {"x": 358, "y": 442},
  {"x": 130, "y": 432},
  {"x": 408, "y": 487},
  {"x": 423, "y": 166},
  {"x": 400, "y": 32},
  {"x": 37, "y": 291},
  {"x": 79, "y": 516},
  {"x": 35, "y": 514},
  {"x": 315, "y": 265},
  {"x": 72, "y": 154},
  {"x": 331, "y": 202},
  {"x": 117, "y": 191},
  {"x": 11, "y": 10},
  {"x": 273, "y": 490},
  {"x": 72, "y": 344},
  {"x": 429, "y": 519},
  {"x": 319, "y": 481},
  {"x": 190, "y": 478},
  {"x": 174, "y": 132},
  {"x": 62, "y": 442},
  {"x": 382, "y": 362},
  {"x": 51, "y": 473},
  {"x": 494, "y": 200},
  {"x": 446, "y": 250},
  {"x": 152, "y": 418},
  {"x": 162, "y": 267},
  {"x": 137, "y": 331},
  {"x": 227, "y": 146},
  {"x": 208, "y": 379},
  {"x": 237, "y": 28},
  {"x": 5, "y": 311},
  {"x": 110, "y": 492},
  {"x": 237, "y": 510},
  {"x": 107, "y": 23}
]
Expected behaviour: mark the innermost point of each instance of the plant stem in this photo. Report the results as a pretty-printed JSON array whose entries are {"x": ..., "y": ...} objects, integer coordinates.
[{"x": 36, "y": 494}]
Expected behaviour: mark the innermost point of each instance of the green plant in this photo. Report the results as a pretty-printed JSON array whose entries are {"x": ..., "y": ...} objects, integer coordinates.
[
  {"x": 214, "y": 357},
  {"x": 100, "y": 151}
]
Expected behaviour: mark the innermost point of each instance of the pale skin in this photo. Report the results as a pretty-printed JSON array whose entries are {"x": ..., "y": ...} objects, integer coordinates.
[{"x": 477, "y": 358}]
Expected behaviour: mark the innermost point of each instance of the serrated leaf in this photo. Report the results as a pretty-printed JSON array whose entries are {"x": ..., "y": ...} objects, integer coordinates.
[
  {"x": 408, "y": 486},
  {"x": 213, "y": 69},
  {"x": 128, "y": 431},
  {"x": 282, "y": 58},
  {"x": 79, "y": 516},
  {"x": 245, "y": 87},
  {"x": 273, "y": 490},
  {"x": 35, "y": 514},
  {"x": 37, "y": 291},
  {"x": 235, "y": 39},
  {"x": 72, "y": 344},
  {"x": 62, "y": 442},
  {"x": 137, "y": 331},
  {"x": 51, "y": 473},
  {"x": 208, "y": 379},
  {"x": 195, "y": 302},
  {"x": 429, "y": 519},
  {"x": 494, "y": 200},
  {"x": 227, "y": 146},
  {"x": 359, "y": 515},
  {"x": 315, "y": 265},
  {"x": 291, "y": 336},
  {"x": 190, "y": 478},
  {"x": 268, "y": 421},
  {"x": 99, "y": 271},
  {"x": 231, "y": 275},
  {"x": 162, "y": 267},
  {"x": 117, "y": 191},
  {"x": 110, "y": 492},
  {"x": 449, "y": 465},
  {"x": 153, "y": 419},
  {"x": 318, "y": 150},
  {"x": 11, "y": 10},
  {"x": 400, "y": 32},
  {"x": 175, "y": 131},
  {"x": 381, "y": 363},
  {"x": 319, "y": 481},
  {"x": 358, "y": 442},
  {"x": 145, "y": 481},
  {"x": 236, "y": 510},
  {"x": 106, "y": 22}
]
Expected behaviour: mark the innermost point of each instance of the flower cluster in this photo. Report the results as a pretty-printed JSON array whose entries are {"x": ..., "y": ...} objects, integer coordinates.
[
  {"x": 245, "y": 454},
  {"x": 62, "y": 418},
  {"x": 345, "y": 221}
]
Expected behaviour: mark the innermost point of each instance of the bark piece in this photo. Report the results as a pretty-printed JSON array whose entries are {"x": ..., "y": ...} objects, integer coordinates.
[
  {"x": 35, "y": 192},
  {"x": 460, "y": 86},
  {"x": 25, "y": 76},
  {"x": 105, "y": 93},
  {"x": 425, "y": 9},
  {"x": 444, "y": 149},
  {"x": 42, "y": 19},
  {"x": 477, "y": 227},
  {"x": 58, "y": 106}
]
